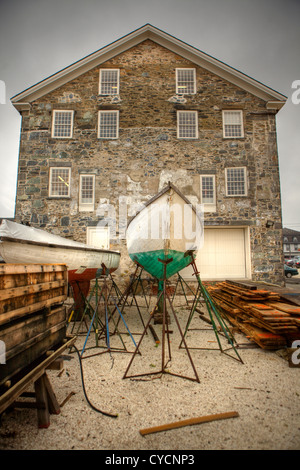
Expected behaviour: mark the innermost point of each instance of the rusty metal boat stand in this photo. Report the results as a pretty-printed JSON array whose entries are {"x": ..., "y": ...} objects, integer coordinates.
[
  {"x": 165, "y": 359},
  {"x": 217, "y": 323},
  {"x": 101, "y": 313}
]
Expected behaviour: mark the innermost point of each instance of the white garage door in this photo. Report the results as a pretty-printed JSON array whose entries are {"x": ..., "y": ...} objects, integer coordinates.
[{"x": 223, "y": 255}]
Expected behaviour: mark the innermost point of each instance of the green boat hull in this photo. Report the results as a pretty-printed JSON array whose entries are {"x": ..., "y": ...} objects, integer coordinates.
[{"x": 149, "y": 260}]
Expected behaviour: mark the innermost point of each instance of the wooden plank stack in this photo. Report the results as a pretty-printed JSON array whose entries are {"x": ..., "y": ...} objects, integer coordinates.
[
  {"x": 258, "y": 313},
  {"x": 32, "y": 315}
]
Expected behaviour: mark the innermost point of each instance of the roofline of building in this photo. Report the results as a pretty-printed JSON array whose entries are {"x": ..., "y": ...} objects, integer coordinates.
[{"x": 273, "y": 99}]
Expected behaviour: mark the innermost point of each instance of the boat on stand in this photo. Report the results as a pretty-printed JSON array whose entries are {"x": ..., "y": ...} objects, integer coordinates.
[
  {"x": 28, "y": 245},
  {"x": 163, "y": 238},
  {"x": 168, "y": 228}
]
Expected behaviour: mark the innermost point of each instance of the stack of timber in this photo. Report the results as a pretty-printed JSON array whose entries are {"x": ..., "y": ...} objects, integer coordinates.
[
  {"x": 259, "y": 314},
  {"x": 32, "y": 315}
]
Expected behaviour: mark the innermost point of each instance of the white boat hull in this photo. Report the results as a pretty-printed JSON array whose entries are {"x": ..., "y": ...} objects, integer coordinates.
[
  {"x": 26, "y": 245},
  {"x": 167, "y": 228}
]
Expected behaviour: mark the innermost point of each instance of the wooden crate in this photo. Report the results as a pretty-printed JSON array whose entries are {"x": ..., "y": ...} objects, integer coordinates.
[
  {"x": 28, "y": 288},
  {"x": 32, "y": 315},
  {"x": 28, "y": 340}
]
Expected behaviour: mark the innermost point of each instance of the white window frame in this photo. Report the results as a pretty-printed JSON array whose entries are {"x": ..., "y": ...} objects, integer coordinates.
[
  {"x": 117, "y": 124},
  {"x": 179, "y": 89},
  {"x": 54, "y": 114},
  {"x": 116, "y": 91},
  {"x": 195, "y": 113},
  {"x": 86, "y": 206},
  {"x": 68, "y": 184},
  {"x": 238, "y": 112},
  {"x": 208, "y": 206},
  {"x": 245, "y": 181},
  {"x": 91, "y": 233}
]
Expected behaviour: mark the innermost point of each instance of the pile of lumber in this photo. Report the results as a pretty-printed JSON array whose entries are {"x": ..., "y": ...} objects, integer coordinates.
[{"x": 260, "y": 314}]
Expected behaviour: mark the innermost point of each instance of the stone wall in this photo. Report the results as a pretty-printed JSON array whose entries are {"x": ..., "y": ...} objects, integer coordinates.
[{"x": 148, "y": 154}]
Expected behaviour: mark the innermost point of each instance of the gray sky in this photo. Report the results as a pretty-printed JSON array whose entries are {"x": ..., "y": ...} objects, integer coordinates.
[{"x": 258, "y": 37}]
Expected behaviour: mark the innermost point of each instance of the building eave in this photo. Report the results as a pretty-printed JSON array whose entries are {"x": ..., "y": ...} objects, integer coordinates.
[
  {"x": 22, "y": 106},
  {"x": 274, "y": 99}
]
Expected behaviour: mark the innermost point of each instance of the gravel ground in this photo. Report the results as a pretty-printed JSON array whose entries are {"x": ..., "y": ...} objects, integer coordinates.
[{"x": 263, "y": 389}]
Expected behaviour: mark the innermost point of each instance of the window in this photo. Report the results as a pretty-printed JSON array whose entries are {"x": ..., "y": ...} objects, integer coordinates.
[
  {"x": 236, "y": 182},
  {"x": 87, "y": 192},
  {"x": 62, "y": 124},
  {"x": 233, "y": 124},
  {"x": 99, "y": 237},
  {"x": 108, "y": 127},
  {"x": 208, "y": 192},
  {"x": 60, "y": 182},
  {"x": 109, "y": 82},
  {"x": 207, "y": 189},
  {"x": 187, "y": 125},
  {"x": 185, "y": 81}
]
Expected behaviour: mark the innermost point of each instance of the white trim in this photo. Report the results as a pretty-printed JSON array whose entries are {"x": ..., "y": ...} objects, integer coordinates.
[
  {"x": 106, "y": 111},
  {"x": 196, "y": 125},
  {"x": 54, "y": 113},
  {"x": 22, "y": 106},
  {"x": 241, "y": 114},
  {"x": 164, "y": 39},
  {"x": 245, "y": 181},
  {"x": 118, "y": 81},
  {"x": 68, "y": 184},
  {"x": 86, "y": 206},
  {"x": 179, "y": 90}
]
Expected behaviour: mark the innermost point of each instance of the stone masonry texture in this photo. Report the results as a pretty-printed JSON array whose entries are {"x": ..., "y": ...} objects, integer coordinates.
[{"x": 147, "y": 153}]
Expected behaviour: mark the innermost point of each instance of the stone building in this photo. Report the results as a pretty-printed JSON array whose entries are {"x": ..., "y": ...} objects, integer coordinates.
[{"x": 105, "y": 134}]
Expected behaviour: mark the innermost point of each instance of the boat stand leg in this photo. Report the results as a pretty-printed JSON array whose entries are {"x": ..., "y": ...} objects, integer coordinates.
[
  {"x": 129, "y": 291},
  {"x": 183, "y": 339},
  {"x": 192, "y": 312},
  {"x": 162, "y": 300},
  {"x": 214, "y": 316},
  {"x": 87, "y": 309},
  {"x": 103, "y": 294},
  {"x": 181, "y": 281},
  {"x": 140, "y": 341}
]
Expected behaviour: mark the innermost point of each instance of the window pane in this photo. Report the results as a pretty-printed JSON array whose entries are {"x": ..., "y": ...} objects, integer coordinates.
[
  {"x": 109, "y": 82},
  {"x": 233, "y": 124},
  {"x": 187, "y": 125},
  {"x": 236, "y": 184},
  {"x": 60, "y": 181},
  {"x": 108, "y": 125},
  {"x": 185, "y": 81},
  {"x": 63, "y": 124},
  {"x": 87, "y": 189},
  {"x": 207, "y": 189}
]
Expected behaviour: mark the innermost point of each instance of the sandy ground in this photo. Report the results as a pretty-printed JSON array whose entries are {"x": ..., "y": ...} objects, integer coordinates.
[{"x": 263, "y": 389}]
